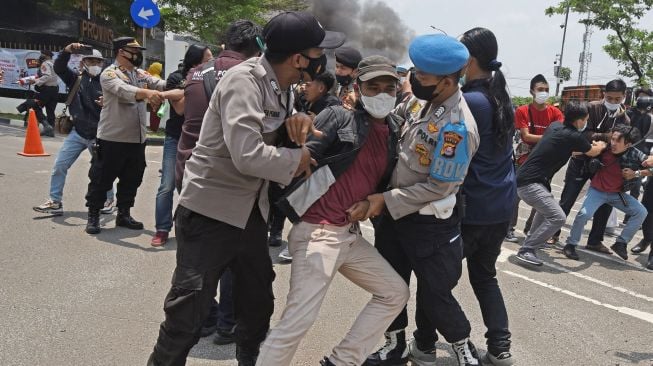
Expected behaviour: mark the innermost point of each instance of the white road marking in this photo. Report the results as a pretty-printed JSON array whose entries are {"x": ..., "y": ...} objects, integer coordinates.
[
  {"x": 505, "y": 253},
  {"x": 642, "y": 315}
]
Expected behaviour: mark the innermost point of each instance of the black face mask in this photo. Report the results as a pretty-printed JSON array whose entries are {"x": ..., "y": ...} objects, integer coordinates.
[
  {"x": 423, "y": 92},
  {"x": 315, "y": 67},
  {"x": 344, "y": 80},
  {"x": 136, "y": 58}
]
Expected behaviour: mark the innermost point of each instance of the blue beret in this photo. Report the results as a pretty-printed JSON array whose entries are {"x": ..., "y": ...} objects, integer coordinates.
[{"x": 438, "y": 54}]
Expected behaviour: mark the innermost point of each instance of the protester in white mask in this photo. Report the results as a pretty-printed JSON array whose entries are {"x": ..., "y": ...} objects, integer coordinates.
[
  {"x": 85, "y": 106},
  {"x": 359, "y": 150}
]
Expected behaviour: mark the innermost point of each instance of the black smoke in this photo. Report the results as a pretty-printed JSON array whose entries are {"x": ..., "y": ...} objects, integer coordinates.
[{"x": 373, "y": 27}]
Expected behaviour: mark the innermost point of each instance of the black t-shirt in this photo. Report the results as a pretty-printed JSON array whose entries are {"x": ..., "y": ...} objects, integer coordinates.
[
  {"x": 551, "y": 154},
  {"x": 173, "y": 126}
]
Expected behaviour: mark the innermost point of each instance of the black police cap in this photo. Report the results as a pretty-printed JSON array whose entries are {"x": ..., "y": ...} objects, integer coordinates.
[
  {"x": 295, "y": 31},
  {"x": 123, "y": 42}
]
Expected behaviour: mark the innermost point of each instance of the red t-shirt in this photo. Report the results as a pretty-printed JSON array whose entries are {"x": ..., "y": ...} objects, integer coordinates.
[
  {"x": 541, "y": 119},
  {"x": 356, "y": 183},
  {"x": 608, "y": 178}
]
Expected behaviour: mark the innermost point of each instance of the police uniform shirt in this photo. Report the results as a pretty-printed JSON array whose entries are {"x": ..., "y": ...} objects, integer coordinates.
[
  {"x": 123, "y": 118},
  {"x": 412, "y": 186},
  {"x": 47, "y": 76},
  {"x": 235, "y": 155}
]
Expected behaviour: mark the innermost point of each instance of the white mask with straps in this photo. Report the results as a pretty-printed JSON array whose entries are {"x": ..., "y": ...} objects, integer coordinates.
[{"x": 379, "y": 106}]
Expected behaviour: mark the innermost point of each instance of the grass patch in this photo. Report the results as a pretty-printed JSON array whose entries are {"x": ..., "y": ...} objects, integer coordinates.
[{"x": 12, "y": 116}]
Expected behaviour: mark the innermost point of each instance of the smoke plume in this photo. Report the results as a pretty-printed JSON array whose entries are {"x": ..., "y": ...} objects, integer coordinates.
[{"x": 373, "y": 28}]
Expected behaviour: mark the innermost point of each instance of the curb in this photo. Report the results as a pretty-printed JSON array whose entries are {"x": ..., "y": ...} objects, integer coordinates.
[{"x": 151, "y": 141}]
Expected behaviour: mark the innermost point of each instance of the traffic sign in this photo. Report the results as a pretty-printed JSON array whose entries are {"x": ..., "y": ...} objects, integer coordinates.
[{"x": 145, "y": 13}]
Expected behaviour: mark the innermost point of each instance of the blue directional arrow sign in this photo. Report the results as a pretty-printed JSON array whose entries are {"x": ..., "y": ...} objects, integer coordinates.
[{"x": 145, "y": 13}]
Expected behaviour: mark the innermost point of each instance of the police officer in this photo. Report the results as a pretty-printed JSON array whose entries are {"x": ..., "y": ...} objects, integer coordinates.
[
  {"x": 418, "y": 228},
  {"x": 120, "y": 148},
  {"x": 347, "y": 60},
  {"x": 223, "y": 205},
  {"x": 47, "y": 86}
]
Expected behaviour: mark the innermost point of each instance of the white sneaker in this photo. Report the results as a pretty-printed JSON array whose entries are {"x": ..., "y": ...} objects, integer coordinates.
[
  {"x": 466, "y": 353},
  {"x": 50, "y": 207},
  {"x": 108, "y": 207},
  {"x": 285, "y": 255}
]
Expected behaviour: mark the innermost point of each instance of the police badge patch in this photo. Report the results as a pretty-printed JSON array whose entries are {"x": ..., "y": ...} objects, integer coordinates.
[
  {"x": 275, "y": 86},
  {"x": 451, "y": 141}
]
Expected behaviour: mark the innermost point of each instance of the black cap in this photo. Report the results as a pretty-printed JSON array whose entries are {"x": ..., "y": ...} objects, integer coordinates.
[
  {"x": 123, "y": 42},
  {"x": 348, "y": 56},
  {"x": 295, "y": 31}
]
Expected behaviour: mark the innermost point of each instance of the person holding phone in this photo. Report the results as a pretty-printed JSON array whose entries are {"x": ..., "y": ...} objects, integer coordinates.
[{"x": 85, "y": 111}]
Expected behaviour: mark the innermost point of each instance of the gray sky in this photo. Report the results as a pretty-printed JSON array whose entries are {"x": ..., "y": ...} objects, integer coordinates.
[{"x": 528, "y": 39}]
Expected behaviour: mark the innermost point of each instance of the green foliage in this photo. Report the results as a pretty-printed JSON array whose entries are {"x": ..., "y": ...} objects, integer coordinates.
[
  {"x": 564, "y": 73},
  {"x": 629, "y": 46},
  {"x": 519, "y": 101},
  {"x": 208, "y": 19}
]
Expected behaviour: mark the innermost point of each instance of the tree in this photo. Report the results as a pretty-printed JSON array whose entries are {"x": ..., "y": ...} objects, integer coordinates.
[
  {"x": 564, "y": 73},
  {"x": 519, "y": 101},
  {"x": 629, "y": 45},
  {"x": 208, "y": 19}
]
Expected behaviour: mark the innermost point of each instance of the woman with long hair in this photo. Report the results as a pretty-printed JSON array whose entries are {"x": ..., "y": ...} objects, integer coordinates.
[{"x": 491, "y": 178}]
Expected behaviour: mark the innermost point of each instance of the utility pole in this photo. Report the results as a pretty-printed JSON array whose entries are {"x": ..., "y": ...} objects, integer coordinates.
[
  {"x": 562, "y": 50},
  {"x": 585, "y": 56}
]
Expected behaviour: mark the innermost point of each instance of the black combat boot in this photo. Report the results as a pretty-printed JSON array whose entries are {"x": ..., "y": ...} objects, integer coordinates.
[
  {"x": 246, "y": 357},
  {"x": 124, "y": 219},
  {"x": 93, "y": 222}
]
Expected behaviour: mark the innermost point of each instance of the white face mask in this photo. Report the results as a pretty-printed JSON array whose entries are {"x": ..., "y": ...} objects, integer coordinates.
[
  {"x": 611, "y": 107},
  {"x": 541, "y": 97},
  {"x": 93, "y": 70},
  {"x": 380, "y": 105}
]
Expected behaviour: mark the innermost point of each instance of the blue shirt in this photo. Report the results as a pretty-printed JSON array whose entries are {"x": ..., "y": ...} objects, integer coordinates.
[{"x": 490, "y": 186}]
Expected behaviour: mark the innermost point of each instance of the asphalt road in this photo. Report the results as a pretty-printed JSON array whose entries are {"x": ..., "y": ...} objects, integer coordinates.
[{"x": 67, "y": 298}]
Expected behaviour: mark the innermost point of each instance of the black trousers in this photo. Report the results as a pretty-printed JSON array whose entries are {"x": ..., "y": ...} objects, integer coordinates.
[
  {"x": 575, "y": 179},
  {"x": 205, "y": 248},
  {"x": 277, "y": 217},
  {"x": 111, "y": 160},
  {"x": 48, "y": 96},
  {"x": 647, "y": 201},
  {"x": 433, "y": 250},
  {"x": 482, "y": 246}
]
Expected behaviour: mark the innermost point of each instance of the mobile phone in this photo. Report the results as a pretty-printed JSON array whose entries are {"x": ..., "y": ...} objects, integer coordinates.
[{"x": 84, "y": 50}]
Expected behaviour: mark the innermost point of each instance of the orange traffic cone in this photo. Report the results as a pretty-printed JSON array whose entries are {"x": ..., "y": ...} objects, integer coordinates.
[{"x": 33, "y": 145}]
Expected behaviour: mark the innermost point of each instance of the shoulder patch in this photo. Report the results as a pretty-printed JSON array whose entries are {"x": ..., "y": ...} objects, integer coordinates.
[
  {"x": 110, "y": 74},
  {"x": 275, "y": 86},
  {"x": 440, "y": 111}
]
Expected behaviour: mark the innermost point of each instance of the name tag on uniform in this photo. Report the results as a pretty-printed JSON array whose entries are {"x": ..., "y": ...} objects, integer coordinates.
[{"x": 450, "y": 156}]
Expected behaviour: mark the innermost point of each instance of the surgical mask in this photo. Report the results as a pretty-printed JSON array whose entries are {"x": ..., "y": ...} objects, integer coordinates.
[
  {"x": 315, "y": 66},
  {"x": 423, "y": 92},
  {"x": 344, "y": 80},
  {"x": 541, "y": 97},
  {"x": 380, "y": 105},
  {"x": 610, "y": 106},
  {"x": 462, "y": 80},
  {"x": 136, "y": 58},
  {"x": 93, "y": 70}
]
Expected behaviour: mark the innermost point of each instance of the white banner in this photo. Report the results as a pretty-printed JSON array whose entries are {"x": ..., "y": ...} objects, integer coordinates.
[{"x": 18, "y": 64}]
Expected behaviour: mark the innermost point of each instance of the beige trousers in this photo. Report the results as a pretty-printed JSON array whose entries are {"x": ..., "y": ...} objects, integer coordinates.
[{"x": 318, "y": 252}]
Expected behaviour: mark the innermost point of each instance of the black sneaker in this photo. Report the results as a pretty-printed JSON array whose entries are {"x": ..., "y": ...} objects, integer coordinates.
[
  {"x": 570, "y": 252},
  {"x": 466, "y": 353},
  {"x": 650, "y": 262},
  {"x": 640, "y": 247},
  {"x": 326, "y": 362},
  {"x": 93, "y": 222},
  {"x": 224, "y": 337},
  {"x": 511, "y": 237},
  {"x": 530, "y": 258},
  {"x": 393, "y": 353},
  {"x": 274, "y": 240},
  {"x": 246, "y": 357},
  {"x": 620, "y": 250}
]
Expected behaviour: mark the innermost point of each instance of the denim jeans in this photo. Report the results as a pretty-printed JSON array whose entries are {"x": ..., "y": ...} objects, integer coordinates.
[
  {"x": 548, "y": 219},
  {"x": 72, "y": 147},
  {"x": 163, "y": 211},
  {"x": 595, "y": 199}
]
